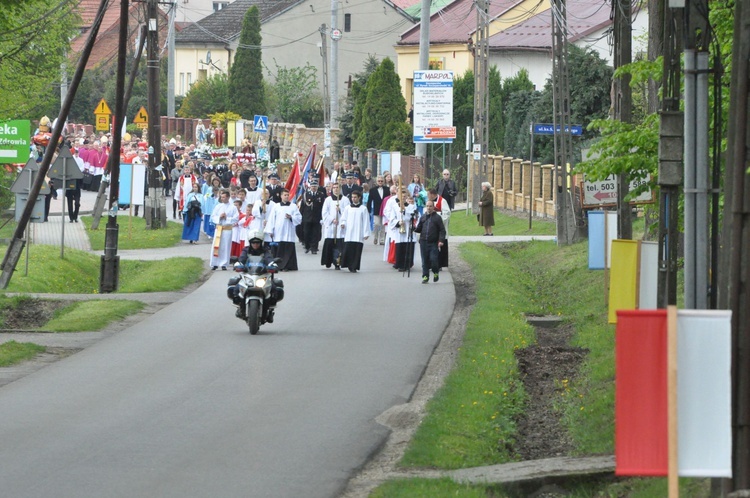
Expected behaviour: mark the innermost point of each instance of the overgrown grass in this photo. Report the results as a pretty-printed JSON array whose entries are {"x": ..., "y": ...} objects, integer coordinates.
[
  {"x": 15, "y": 352},
  {"x": 132, "y": 234},
  {"x": 505, "y": 224},
  {"x": 79, "y": 272},
  {"x": 432, "y": 488},
  {"x": 470, "y": 422},
  {"x": 8, "y": 303},
  {"x": 85, "y": 316},
  {"x": 7, "y": 229}
]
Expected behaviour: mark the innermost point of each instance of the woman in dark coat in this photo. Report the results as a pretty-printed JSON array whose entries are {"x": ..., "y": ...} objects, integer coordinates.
[{"x": 487, "y": 208}]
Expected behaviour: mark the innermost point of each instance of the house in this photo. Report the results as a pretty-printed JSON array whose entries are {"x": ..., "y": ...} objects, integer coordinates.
[
  {"x": 291, "y": 37},
  {"x": 190, "y": 11},
  {"x": 105, "y": 46},
  {"x": 520, "y": 36}
]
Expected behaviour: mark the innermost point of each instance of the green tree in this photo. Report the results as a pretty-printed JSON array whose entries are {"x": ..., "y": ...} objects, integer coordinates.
[
  {"x": 296, "y": 95},
  {"x": 519, "y": 97},
  {"x": 398, "y": 135},
  {"x": 384, "y": 104},
  {"x": 246, "y": 90},
  {"x": 463, "y": 105},
  {"x": 519, "y": 114},
  {"x": 496, "y": 127},
  {"x": 349, "y": 119},
  {"x": 34, "y": 40},
  {"x": 590, "y": 80},
  {"x": 206, "y": 97}
]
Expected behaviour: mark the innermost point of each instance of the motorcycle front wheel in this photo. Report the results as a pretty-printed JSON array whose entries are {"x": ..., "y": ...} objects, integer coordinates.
[{"x": 253, "y": 316}]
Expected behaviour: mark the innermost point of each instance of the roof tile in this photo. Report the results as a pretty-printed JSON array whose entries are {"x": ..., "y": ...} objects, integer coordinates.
[{"x": 225, "y": 25}]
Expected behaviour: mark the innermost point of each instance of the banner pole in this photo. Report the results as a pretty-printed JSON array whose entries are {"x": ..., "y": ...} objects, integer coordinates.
[{"x": 672, "y": 480}]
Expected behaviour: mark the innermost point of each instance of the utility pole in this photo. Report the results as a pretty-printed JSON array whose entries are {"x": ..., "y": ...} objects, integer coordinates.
[
  {"x": 334, "y": 79},
  {"x": 324, "y": 55},
  {"x": 170, "y": 59},
  {"x": 420, "y": 149},
  {"x": 623, "y": 34},
  {"x": 566, "y": 226},
  {"x": 17, "y": 243},
  {"x": 671, "y": 150},
  {"x": 735, "y": 279},
  {"x": 481, "y": 100},
  {"x": 155, "y": 210},
  {"x": 110, "y": 261},
  {"x": 696, "y": 166}
]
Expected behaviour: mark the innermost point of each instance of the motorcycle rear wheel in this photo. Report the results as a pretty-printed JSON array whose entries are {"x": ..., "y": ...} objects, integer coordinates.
[{"x": 253, "y": 316}]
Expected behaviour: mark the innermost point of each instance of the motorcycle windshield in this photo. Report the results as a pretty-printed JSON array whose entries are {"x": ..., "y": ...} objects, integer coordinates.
[{"x": 255, "y": 266}]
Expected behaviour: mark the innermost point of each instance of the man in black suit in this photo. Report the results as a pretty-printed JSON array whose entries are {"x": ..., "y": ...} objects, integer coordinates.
[
  {"x": 273, "y": 187},
  {"x": 374, "y": 203},
  {"x": 350, "y": 186},
  {"x": 446, "y": 188}
]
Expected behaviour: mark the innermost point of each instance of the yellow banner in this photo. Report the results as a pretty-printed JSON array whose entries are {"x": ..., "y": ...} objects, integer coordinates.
[
  {"x": 231, "y": 134},
  {"x": 623, "y": 277}
]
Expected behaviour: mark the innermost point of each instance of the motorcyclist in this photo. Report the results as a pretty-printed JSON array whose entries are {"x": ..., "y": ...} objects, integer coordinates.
[{"x": 255, "y": 248}]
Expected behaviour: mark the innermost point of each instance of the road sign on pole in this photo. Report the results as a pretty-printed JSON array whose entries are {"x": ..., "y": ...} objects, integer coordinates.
[
  {"x": 260, "y": 124},
  {"x": 141, "y": 118},
  {"x": 102, "y": 113},
  {"x": 549, "y": 129}
]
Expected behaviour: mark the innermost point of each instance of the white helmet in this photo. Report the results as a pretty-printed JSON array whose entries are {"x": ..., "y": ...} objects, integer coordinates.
[{"x": 255, "y": 235}]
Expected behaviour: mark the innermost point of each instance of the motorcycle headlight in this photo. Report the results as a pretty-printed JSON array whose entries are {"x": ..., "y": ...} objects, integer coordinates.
[{"x": 260, "y": 282}]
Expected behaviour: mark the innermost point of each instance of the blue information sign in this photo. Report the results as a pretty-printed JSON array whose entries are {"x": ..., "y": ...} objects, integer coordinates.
[
  {"x": 260, "y": 124},
  {"x": 549, "y": 129}
]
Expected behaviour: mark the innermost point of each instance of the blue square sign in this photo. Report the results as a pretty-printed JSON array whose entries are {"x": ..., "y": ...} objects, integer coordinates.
[{"x": 260, "y": 124}]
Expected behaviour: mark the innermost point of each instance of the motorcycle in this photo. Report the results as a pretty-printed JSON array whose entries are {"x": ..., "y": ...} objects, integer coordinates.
[{"x": 255, "y": 291}]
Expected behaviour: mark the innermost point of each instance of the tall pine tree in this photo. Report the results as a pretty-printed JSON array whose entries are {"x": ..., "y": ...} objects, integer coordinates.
[
  {"x": 246, "y": 91},
  {"x": 384, "y": 104}
]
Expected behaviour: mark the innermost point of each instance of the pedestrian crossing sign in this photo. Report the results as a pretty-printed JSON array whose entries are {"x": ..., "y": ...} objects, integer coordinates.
[{"x": 260, "y": 124}]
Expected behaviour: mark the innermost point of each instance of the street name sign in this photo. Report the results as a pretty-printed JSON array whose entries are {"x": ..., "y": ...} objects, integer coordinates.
[{"x": 549, "y": 129}]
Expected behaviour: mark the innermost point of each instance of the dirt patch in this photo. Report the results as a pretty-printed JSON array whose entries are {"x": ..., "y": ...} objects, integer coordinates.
[
  {"x": 547, "y": 368},
  {"x": 32, "y": 314}
]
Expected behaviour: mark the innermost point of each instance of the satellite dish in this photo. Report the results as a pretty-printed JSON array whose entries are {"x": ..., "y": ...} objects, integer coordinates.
[{"x": 208, "y": 57}]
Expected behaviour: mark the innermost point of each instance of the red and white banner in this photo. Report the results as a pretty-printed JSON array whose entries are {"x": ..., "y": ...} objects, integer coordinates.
[{"x": 703, "y": 393}]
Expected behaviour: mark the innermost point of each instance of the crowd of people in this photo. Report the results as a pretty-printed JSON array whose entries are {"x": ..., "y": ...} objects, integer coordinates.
[
  {"x": 226, "y": 200},
  {"x": 331, "y": 216}
]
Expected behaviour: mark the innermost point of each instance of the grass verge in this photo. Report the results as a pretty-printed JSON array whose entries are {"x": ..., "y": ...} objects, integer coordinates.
[
  {"x": 78, "y": 273},
  {"x": 133, "y": 234},
  {"x": 470, "y": 422},
  {"x": 506, "y": 223},
  {"x": 87, "y": 316},
  {"x": 15, "y": 352}
]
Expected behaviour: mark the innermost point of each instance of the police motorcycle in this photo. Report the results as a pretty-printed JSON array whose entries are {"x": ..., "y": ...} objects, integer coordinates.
[{"x": 256, "y": 291}]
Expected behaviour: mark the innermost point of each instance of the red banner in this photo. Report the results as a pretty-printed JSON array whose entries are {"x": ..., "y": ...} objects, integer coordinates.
[{"x": 641, "y": 393}]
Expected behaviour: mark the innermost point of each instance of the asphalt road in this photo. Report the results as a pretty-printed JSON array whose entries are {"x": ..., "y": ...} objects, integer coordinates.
[{"x": 186, "y": 403}]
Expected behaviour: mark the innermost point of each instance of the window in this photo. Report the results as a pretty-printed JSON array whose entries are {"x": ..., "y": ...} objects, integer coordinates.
[
  {"x": 219, "y": 5},
  {"x": 189, "y": 80},
  {"x": 182, "y": 83},
  {"x": 347, "y": 23}
]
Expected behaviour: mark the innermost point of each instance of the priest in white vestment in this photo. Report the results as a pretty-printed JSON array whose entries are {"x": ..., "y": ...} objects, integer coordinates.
[
  {"x": 281, "y": 224},
  {"x": 333, "y": 234},
  {"x": 224, "y": 216},
  {"x": 356, "y": 222}
]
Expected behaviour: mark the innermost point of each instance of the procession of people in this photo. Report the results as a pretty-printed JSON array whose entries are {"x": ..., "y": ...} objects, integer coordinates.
[{"x": 331, "y": 212}]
